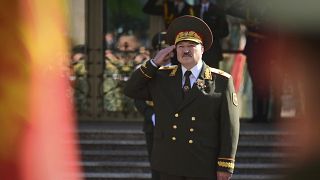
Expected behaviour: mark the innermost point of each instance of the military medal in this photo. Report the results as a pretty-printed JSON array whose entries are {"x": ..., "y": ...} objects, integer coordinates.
[{"x": 200, "y": 83}]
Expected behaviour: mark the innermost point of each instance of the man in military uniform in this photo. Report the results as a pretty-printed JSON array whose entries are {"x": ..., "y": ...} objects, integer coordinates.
[
  {"x": 196, "y": 108},
  {"x": 169, "y": 9}
]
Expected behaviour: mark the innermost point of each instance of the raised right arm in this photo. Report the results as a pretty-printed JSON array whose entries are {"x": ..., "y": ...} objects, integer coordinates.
[{"x": 137, "y": 86}]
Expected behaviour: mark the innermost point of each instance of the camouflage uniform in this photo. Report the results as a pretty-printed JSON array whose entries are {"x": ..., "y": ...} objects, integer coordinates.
[
  {"x": 118, "y": 69},
  {"x": 80, "y": 85}
]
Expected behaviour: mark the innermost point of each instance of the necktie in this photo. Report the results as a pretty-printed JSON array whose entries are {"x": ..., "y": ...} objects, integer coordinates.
[{"x": 187, "y": 84}]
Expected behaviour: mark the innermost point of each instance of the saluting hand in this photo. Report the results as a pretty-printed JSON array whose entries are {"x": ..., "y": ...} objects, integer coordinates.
[
  {"x": 164, "y": 55},
  {"x": 223, "y": 176}
]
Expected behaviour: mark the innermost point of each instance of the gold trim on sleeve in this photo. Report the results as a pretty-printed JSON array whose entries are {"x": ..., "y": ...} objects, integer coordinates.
[
  {"x": 145, "y": 73},
  {"x": 226, "y": 164}
]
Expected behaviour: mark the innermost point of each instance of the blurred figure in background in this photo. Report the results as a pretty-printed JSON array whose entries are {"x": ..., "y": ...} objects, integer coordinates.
[
  {"x": 215, "y": 17},
  {"x": 169, "y": 9},
  {"x": 259, "y": 67},
  {"x": 303, "y": 67},
  {"x": 119, "y": 65},
  {"x": 109, "y": 40},
  {"x": 79, "y": 77}
]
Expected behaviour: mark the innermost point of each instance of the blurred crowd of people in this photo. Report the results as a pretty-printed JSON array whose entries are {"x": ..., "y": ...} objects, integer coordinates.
[
  {"x": 122, "y": 56},
  {"x": 120, "y": 63},
  {"x": 78, "y": 77}
]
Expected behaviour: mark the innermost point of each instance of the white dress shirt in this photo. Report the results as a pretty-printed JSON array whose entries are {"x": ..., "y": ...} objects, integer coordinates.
[{"x": 195, "y": 73}]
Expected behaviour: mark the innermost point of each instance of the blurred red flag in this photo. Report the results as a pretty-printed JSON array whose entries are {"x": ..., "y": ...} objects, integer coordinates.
[
  {"x": 37, "y": 137},
  {"x": 237, "y": 70}
]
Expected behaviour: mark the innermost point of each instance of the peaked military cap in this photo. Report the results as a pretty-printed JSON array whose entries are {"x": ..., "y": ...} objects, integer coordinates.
[{"x": 189, "y": 28}]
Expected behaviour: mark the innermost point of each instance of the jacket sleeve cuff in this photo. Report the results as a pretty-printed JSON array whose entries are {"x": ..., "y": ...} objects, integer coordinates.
[
  {"x": 148, "y": 69},
  {"x": 225, "y": 165}
]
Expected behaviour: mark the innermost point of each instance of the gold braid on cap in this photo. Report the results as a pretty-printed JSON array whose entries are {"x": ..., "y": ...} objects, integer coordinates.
[{"x": 188, "y": 36}]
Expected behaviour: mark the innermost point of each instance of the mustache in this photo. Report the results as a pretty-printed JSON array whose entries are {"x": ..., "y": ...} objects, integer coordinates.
[{"x": 186, "y": 54}]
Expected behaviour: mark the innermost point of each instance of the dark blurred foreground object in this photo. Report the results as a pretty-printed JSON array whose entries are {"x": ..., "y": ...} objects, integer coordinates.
[
  {"x": 258, "y": 51},
  {"x": 304, "y": 69}
]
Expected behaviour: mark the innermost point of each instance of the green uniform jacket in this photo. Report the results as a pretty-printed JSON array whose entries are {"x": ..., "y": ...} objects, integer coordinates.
[{"x": 195, "y": 136}]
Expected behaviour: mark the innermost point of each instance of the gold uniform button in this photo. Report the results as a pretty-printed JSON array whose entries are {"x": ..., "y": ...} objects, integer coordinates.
[
  {"x": 190, "y": 141},
  {"x": 193, "y": 118},
  {"x": 174, "y": 138},
  {"x": 176, "y": 115},
  {"x": 191, "y": 129},
  {"x": 174, "y": 126}
]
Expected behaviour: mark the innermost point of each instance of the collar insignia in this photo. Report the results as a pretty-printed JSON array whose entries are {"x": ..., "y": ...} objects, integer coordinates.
[{"x": 207, "y": 74}]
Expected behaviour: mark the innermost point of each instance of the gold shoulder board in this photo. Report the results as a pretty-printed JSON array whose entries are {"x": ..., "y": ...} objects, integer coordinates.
[
  {"x": 173, "y": 69},
  {"x": 218, "y": 71},
  {"x": 168, "y": 67}
]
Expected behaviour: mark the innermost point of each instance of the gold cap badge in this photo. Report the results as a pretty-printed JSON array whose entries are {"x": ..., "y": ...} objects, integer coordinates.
[{"x": 188, "y": 36}]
